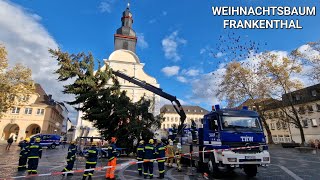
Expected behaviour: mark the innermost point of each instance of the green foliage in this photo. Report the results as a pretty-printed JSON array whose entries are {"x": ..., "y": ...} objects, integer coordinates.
[{"x": 98, "y": 92}]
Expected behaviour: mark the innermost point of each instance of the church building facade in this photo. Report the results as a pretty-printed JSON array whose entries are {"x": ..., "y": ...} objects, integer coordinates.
[{"x": 123, "y": 59}]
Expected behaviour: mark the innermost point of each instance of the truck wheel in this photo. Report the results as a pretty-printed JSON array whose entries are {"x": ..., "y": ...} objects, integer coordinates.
[
  {"x": 251, "y": 170},
  {"x": 213, "y": 167},
  {"x": 53, "y": 146}
]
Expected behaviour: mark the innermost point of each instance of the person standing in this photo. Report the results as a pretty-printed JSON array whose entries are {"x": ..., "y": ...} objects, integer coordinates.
[
  {"x": 71, "y": 157},
  {"x": 91, "y": 162},
  {"x": 170, "y": 153},
  {"x": 34, "y": 153},
  {"x": 112, "y": 158},
  {"x": 160, "y": 153},
  {"x": 149, "y": 155},
  {"x": 23, "y": 157},
  {"x": 178, "y": 156},
  {"x": 140, "y": 155},
  {"x": 9, "y": 141}
]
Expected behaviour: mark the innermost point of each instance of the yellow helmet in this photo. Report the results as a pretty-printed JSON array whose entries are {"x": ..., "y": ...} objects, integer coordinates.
[
  {"x": 159, "y": 141},
  {"x": 72, "y": 142},
  {"x": 38, "y": 139},
  {"x": 151, "y": 141},
  {"x": 94, "y": 143},
  {"x": 141, "y": 142},
  {"x": 27, "y": 139}
]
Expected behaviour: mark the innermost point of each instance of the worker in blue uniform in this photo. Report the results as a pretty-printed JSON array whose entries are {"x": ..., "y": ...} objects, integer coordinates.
[
  {"x": 71, "y": 157},
  {"x": 23, "y": 156},
  {"x": 140, "y": 155},
  {"x": 160, "y": 155},
  {"x": 34, "y": 154},
  {"x": 149, "y": 155},
  {"x": 91, "y": 162}
]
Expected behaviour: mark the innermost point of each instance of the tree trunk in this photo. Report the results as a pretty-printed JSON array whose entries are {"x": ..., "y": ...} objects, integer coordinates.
[
  {"x": 266, "y": 126},
  {"x": 297, "y": 120},
  {"x": 303, "y": 139}
]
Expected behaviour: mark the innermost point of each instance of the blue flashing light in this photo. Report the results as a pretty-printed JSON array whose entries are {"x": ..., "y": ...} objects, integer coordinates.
[
  {"x": 217, "y": 107},
  {"x": 245, "y": 107}
]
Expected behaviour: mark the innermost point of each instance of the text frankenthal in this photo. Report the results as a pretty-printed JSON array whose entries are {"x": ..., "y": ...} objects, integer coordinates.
[{"x": 263, "y": 11}]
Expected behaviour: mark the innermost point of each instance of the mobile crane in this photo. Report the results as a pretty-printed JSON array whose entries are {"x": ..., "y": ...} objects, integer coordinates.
[
  {"x": 228, "y": 138},
  {"x": 177, "y": 106}
]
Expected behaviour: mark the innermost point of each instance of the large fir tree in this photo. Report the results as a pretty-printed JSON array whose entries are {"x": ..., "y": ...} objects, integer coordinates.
[{"x": 110, "y": 110}]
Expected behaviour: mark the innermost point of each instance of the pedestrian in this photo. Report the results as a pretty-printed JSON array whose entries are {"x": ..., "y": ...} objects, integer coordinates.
[
  {"x": 34, "y": 153},
  {"x": 178, "y": 153},
  {"x": 149, "y": 155},
  {"x": 112, "y": 158},
  {"x": 9, "y": 141},
  {"x": 23, "y": 156},
  {"x": 160, "y": 153},
  {"x": 64, "y": 142},
  {"x": 91, "y": 162},
  {"x": 169, "y": 153},
  {"x": 71, "y": 157},
  {"x": 140, "y": 155}
]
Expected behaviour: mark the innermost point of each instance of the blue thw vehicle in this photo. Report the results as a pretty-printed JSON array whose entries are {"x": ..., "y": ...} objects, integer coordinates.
[{"x": 228, "y": 139}]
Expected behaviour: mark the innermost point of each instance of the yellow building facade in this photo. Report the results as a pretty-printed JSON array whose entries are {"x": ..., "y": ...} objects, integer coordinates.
[
  {"x": 171, "y": 117},
  {"x": 39, "y": 114}
]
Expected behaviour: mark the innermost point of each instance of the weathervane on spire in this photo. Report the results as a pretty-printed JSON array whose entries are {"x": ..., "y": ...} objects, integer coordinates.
[{"x": 128, "y": 5}]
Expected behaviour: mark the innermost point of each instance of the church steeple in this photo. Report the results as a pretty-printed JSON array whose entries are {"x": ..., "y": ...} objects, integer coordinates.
[{"x": 125, "y": 37}]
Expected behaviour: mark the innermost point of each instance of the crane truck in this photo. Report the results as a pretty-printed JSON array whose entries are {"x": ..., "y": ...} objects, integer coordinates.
[{"x": 227, "y": 138}]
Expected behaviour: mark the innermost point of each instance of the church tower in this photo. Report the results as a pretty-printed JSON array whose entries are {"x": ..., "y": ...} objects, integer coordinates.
[{"x": 125, "y": 37}]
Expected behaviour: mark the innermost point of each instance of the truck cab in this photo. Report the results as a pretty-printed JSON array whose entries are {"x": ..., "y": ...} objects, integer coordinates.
[{"x": 231, "y": 139}]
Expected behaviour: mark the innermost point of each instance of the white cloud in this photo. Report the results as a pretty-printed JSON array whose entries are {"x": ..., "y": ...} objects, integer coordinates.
[
  {"x": 219, "y": 55},
  {"x": 170, "y": 70},
  {"x": 181, "y": 79},
  {"x": 105, "y": 6},
  {"x": 142, "y": 43},
  {"x": 170, "y": 45},
  {"x": 203, "y": 50},
  {"x": 27, "y": 42},
  {"x": 191, "y": 72}
]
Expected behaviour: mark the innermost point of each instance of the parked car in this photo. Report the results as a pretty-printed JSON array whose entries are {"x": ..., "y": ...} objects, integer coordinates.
[{"x": 47, "y": 140}]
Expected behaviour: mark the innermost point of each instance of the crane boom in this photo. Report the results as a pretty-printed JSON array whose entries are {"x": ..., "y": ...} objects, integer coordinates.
[{"x": 159, "y": 92}]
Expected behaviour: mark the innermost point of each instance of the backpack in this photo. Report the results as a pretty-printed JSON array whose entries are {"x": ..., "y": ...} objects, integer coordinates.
[{"x": 10, "y": 140}]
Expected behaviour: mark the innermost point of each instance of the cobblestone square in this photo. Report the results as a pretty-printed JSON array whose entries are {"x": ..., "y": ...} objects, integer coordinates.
[{"x": 285, "y": 164}]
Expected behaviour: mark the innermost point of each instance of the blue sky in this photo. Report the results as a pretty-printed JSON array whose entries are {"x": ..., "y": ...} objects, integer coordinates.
[{"x": 173, "y": 35}]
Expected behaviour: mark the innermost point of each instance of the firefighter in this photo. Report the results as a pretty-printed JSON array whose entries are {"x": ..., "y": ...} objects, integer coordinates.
[
  {"x": 23, "y": 157},
  {"x": 160, "y": 153},
  {"x": 169, "y": 153},
  {"x": 71, "y": 157},
  {"x": 34, "y": 153},
  {"x": 140, "y": 155},
  {"x": 91, "y": 163},
  {"x": 112, "y": 158},
  {"x": 178, "y": 156},
  {"x": 149, "y": 154}
]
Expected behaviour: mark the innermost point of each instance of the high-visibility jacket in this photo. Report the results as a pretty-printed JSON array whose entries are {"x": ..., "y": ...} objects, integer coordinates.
[
  {"x": 92, "y": 155},
  {"x": 160, "y": 151},
  {"x": 72, "y": 150},
  {"x": 35, "y": 151},
  {"x": 112, "y": 152},
  {"x": 149, "y": 152},
  {"x": 169, "y": 151},
  {"x": 24, "y": 148},
  {"x": 140, "y": 152}
]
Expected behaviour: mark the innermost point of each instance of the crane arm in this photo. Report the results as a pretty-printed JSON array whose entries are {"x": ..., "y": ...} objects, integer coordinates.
[{"x": 159, "y": 92}]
